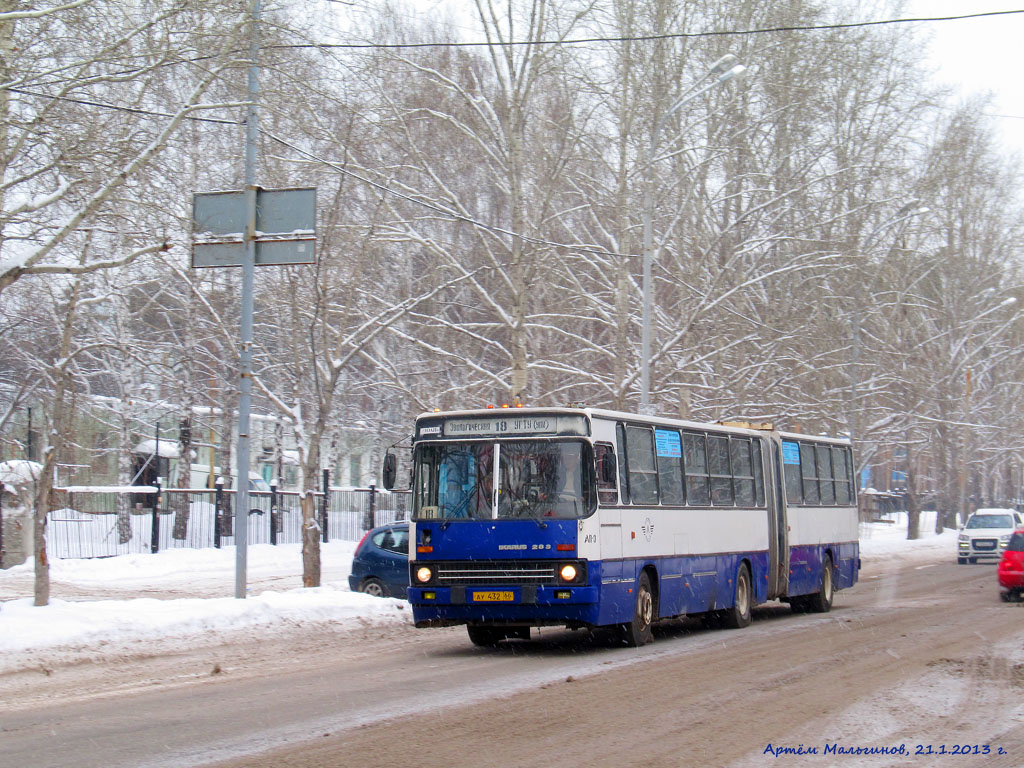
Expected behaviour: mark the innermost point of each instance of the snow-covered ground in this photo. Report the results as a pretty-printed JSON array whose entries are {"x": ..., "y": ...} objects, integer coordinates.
[{"x": 194, "y": 594}]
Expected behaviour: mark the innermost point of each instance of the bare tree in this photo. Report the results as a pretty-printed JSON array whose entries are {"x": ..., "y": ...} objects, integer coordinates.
[{"x": 62, "y": 67}]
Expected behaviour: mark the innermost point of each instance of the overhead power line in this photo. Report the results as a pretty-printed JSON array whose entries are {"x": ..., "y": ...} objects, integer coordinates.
[
  {"x": 645, "y": 38},
  {"x": 229, "y": 121},
  {"x": 132, "y": 110}
]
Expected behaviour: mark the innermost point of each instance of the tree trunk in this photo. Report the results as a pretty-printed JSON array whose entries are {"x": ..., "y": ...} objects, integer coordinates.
[
  {"x": 311, "y": 529},
  {"x": 54, "y": 441},
  {"x": 913, "y": 500},
  {"x": 44, "y": 488},
  {"x": 310, "y": 542}
]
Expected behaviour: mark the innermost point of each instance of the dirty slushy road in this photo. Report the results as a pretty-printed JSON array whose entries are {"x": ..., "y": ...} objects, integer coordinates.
[{"x": 921, "y": 655}]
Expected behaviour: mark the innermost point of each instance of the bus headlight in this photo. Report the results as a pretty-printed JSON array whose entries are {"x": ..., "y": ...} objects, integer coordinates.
[
  {"x": 568, "y": 572},
  {"x": 424, "y": 574}
]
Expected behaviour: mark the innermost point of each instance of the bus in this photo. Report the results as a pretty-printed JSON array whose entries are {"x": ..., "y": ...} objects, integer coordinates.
[{"x": 584, "y": 518}]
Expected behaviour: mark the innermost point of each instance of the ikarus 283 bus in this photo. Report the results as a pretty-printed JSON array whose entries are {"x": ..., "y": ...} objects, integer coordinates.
[{"x": 582, "y": 517}]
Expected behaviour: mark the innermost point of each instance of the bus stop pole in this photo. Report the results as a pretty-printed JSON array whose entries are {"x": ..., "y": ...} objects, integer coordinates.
[
  {"x": 248, "y": 280},
  {"x": 154, "y": 533},
  {"x": 273, "y": 513}
]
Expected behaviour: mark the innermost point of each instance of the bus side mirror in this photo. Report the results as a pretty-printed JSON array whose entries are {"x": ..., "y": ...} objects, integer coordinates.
[
  {"x": 390, "y": 470},
  {"x": 607, "y": 469}
]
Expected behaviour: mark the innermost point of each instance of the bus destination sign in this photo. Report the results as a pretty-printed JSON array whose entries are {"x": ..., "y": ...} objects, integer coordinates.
[{"x": 511, "y": 425}]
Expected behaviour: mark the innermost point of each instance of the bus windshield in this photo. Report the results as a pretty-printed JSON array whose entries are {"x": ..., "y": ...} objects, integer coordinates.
[{"x": 536, "y": 479}]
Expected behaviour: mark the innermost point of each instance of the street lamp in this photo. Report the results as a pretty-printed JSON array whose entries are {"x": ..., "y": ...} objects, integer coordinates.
[{"x": 723, "y": 70}]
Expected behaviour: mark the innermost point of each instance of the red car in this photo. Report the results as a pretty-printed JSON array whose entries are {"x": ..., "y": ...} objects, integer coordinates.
[{"x": 1011, "y": 568}]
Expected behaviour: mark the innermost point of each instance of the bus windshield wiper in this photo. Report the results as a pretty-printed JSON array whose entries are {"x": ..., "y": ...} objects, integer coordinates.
[{"x": 520, "y": 506}]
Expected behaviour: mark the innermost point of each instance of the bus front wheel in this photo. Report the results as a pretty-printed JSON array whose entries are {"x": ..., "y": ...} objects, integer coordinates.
[
  {"x": 486, "y": 636},
  {"x": 638, "y": 631},
  {"x": 738, "y": 616}
]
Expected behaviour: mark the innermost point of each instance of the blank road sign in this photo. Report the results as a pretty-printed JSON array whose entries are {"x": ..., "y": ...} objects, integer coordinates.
[{"x": 285, "y": 231}]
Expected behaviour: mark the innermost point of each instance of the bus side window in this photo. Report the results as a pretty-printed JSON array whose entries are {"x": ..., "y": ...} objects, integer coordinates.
[
  {"x": 828, "y": 489},
  {"x": 620, "y": 441},
  {"x": 426, "y": 469},
  {"x": 695, "y": 463},
  {"x": 670, "y": 470},
  {"x": 742, "y": 471},
  {"x": 810, "y": 474},
  {"x": 721, "y": 475},
  {"x": 604, "y": 459},
  {"x": 643, "y": 473},
  {"x": 841, "y": 473},
  {"x": 791, "y": 462},
  {"x": 758, "y": 468}
]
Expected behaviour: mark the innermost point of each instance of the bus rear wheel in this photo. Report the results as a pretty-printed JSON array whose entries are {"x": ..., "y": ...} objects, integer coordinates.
[
  {"x": 638, "y": 631},
  {"x": 821, "y": 602},
  {"x": 738, "y": 616}
]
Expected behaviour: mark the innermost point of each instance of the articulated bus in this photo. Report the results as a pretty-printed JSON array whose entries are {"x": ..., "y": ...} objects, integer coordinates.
[{"x": 582, "y": 517}]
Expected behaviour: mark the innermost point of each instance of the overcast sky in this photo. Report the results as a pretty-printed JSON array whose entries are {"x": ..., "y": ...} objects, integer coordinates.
[
  {"x": 974, "y": 55},
  {"x": 979, "y": 55}
]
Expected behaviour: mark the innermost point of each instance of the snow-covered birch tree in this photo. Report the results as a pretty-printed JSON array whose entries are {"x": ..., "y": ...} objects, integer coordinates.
[{"x": 80, "y": 120}]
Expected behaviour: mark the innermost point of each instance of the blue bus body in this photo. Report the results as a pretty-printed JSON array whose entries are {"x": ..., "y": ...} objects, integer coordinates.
[{"x": 656, "y": 518}]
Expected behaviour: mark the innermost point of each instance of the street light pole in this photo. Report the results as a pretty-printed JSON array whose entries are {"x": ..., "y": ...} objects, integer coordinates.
[{"x": 723, "y": 70}]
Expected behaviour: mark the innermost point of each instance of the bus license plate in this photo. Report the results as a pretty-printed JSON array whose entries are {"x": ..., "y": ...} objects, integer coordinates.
[{"x": 494, "y": 597}]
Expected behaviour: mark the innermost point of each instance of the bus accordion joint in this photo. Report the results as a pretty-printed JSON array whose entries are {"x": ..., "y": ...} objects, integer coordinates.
[{"x": 764, "y": 426}]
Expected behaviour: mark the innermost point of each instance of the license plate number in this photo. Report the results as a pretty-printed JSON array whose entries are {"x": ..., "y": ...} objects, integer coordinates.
[{"x": 505, "y": 596}]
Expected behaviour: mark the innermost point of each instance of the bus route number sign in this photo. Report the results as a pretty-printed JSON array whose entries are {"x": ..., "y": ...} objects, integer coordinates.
[{"x": 520, "y": 425}]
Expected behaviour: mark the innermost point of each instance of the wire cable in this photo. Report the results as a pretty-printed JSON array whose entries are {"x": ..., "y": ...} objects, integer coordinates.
[
  {"x": 132, "y": 110},
  {"x": 647, "y": 38}
]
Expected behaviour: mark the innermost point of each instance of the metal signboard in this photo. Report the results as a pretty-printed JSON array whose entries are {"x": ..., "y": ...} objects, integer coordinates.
[{"x": 285, "y": 227}]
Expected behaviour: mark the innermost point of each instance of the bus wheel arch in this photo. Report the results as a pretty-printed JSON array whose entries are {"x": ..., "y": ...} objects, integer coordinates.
[
  {"x": 637, "y": 631},
  {"x": 737, "y": 615}
]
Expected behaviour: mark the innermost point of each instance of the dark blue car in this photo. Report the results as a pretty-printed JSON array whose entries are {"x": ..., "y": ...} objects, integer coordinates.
[{"x": 380, "y": 565}]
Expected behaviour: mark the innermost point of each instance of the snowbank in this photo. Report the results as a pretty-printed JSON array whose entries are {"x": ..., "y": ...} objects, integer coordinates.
[
  {"x": 889, "y": 540},
  {"x": 200, "y": 583}
]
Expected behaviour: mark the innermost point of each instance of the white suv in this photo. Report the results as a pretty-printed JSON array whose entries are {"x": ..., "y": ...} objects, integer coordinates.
[{"x": 986, "y": 534}]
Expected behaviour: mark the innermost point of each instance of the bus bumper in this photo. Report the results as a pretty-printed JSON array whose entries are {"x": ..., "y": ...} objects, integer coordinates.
[{"x": 523, "y": 605}]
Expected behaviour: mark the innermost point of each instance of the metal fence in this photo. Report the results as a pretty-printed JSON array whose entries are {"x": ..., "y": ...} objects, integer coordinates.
[{"x": 98, "y": 522}]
